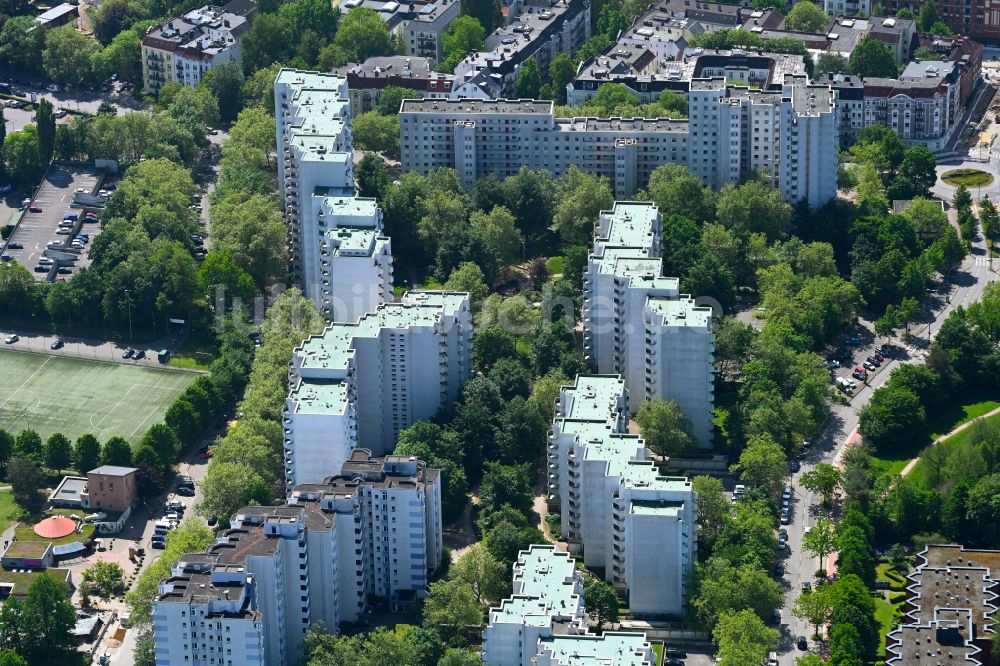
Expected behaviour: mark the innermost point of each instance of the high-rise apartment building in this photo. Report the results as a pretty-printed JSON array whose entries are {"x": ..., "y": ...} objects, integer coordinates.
[
  {"x": 792, "y": 135},
  {"x": 629, "y": 520},
  {"x": 544, "y": 622},
  {"x": 361, "y": 383},
  {"x": 372, "y": 531},
  {"x": 636, "y": 323},
  {"x": 338, "y": 252}
]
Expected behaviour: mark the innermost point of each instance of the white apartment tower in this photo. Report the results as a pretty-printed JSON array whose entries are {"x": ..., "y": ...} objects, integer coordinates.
[
  {"x": 200, "y": 610},
  {"x": 636, "y": 323},
  {"x": 787, "y": 135},
  {"x": 338, "y": 251},
  {"x": 792, "y": 136},
  {"x": 252, "y": 596},
  {"x": 629, "y": 520},
  {"x": 544, "y": 622},
  {"x": 361, "y": 383}
]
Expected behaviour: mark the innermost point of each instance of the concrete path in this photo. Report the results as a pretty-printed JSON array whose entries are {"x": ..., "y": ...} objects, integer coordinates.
[{"x": 913, "y": 463}]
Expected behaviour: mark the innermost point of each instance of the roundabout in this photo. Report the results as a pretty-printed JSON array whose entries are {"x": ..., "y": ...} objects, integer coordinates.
[{"x": 970, "y": 177}]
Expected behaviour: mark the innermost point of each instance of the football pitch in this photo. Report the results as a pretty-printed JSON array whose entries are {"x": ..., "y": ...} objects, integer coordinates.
[{"x": 75, "y": 396}]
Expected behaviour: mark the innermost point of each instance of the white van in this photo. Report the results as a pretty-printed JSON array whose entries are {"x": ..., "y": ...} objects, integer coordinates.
[{"x": 845, "y": 385}]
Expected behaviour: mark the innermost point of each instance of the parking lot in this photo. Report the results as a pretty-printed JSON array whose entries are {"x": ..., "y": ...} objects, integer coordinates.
[{"x": 40, "y": 223}]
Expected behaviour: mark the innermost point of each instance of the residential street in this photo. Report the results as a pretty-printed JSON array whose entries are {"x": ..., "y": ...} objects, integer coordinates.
[{"x": 967, "y": 284}]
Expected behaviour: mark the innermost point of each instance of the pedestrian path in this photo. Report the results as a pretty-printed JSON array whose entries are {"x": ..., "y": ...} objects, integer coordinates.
[{"x": 913, "y": 463}]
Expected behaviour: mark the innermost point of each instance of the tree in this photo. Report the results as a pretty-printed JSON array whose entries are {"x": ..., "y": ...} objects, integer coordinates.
[
  {"x": 11, "y": 658},
  {"x": 391, "y": 97},
  {"x": 528, "y": 79},
  {"x": 49, "y": 619},
  {"x": 984, "y": 510},
  {"x": 845, "y": 646},
  {"x": 665, "y": 428},
  {"x": 853, "y": 604},
  {"x": 29, "y": 445},
  {"x": 561, "y": 72},
  {"x": 714, "y": 508},
  {"x": 892, "y": 419},
  {"x": 222, "y": 281},
  {"x": 375, "y": 132},
  {"x": 20, "y": 43},
  {"x": 116, "y": 451},
  {"x": 820, "y": 540},
  {"x": 806, "y": 16},
  {"x": 185, "y": 422},
  {"x": 106, "y": 579},
  {"x": 724, "y": 587},
  {"x": 830, "y": 63},
  {"x": 251, "y": 228},
  {"x": 22, "y": 156},
  {"x": 464, "y": 35},
  {"x": 582, "y": 197},
  {"x": 486, "y": 576},
  {"x": 373, "y": 176},
  {"x": 872, "y": 58},
  {"x": 919, "y": 167},
  {"x": 163, "y": 440},
  {"x": 487, "y": 12},
  {"x": 68, "y": 54},
  {"x": 505, "y": 485},
  {"x": 361, "y": 35},
  {"x": 459, "y": 657},
  {"x": 225, "y": 81},
  {"x": 824, "y": 479},
  {"x": 762, "y": 465},
  {"x": 468, "y": 277},
  {"x": 814, "y": 607},
  {"x": 928, "y": 16},
  {"x": 87, "y": 453},
  {"x": 499, "y": 232},
  {"x": 600, "y": 601},
  {"x": 26, "y": 479},
  {"x": 854, "y": 555},
  {"x": 45, "y": 120},
  {"x": 451, "y": 609},
  {"x": 743, "y": 639},
  {"x": 58, "y": 452},
  {"x": 268, "y": 42},
  {"x": 230, "y": 486},
  {"x": 755, "y": 207}
]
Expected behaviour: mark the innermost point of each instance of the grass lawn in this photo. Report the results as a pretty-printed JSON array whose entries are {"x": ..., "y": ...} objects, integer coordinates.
[
  {"x": 76, "y": 396},
  {"x": 967, "y": 177},
  {"x": 10, "y": 512},
  {"x": 884, "y": 612},
  {"x": 884, "y": 572},
  {"x": 193, "y": 355},
  {"x": 556, "y": 265},
  {"x": 658, "y": 651},
  {"x": 919, "y": 473},
  {"x": 944, "y": 419}
]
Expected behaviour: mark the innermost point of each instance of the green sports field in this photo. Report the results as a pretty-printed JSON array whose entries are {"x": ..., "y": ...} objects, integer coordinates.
[{"x": 75, "y": 396}]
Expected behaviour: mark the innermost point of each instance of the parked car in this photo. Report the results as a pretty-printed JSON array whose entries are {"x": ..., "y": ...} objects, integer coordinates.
[
  {"x": 42, "y": 268},
  {"x": 212, "y": 521},
  {"x": 35, "y": 209},
  {"x": 794, "y": 466},
  {"x": 785, "y": 518},
  {"x": 853, "y": 341},
  {"x": 63, "y": 231},
  {"x": 71, "y": 217},
  {"x": 157, "y": 544},
  {"x": 138, "y": 354},
  {"x": 802, "y": 643},
  {"x": 185, "y": 491},
  {"x": 6, "y": 257},
  {"x": 206, "y": 454},
  {"x": 11, "y": 339},
  {"x": 787, "y": 493},
  {"x": 128, "y": 353},
  {"x": 779, "y": 569},
  {"x": 806, "y": 586},
  {"x": 57, "y": 344},
  {"x": 64, "y": 270},
  {"x": 14, "y": 246},
  {"x": 52, "y": 87},
  {"x": 869, "y": 366},
  {"x": 859, "y": 375}
]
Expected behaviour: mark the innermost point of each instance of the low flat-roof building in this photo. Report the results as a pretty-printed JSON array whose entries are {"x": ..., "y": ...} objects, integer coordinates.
[
  {"x": 28, "y": 555},
  {"x": 17, "y": 583},
  {"x": 950, "y": 603},
  {"x": 58, "y": 15}
]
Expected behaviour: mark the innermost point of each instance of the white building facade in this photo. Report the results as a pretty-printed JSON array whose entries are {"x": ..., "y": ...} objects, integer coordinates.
[
  {"x": 636, "y": 323},
  {"x": 792, "y": 135},
  {"x": 338, "y": 251},
  {"x": 360, "y": 384},
  {"x": 323, "y": 557},
  {"x": 544, "y": 622},
  {"x": 626, "y": 518}
]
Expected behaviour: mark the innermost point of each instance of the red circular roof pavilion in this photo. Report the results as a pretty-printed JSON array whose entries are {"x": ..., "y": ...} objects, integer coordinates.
[{"x": 55, "y": 527}]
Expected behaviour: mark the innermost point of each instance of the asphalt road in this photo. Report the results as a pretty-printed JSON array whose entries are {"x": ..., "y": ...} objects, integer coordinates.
[{"x": 966, "y": 287}]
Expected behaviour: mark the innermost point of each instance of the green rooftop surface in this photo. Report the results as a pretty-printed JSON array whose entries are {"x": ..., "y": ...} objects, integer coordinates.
[
  {"x": 610, "y": 649},
  {"x": 313, "y": 397},
  {"x": 547, "y": 588},
  {"x": 22, "y": 580},
  {"x": 680, "y": 312},
  {"x": 630, "y": 224},
  {"x": 333, "y": 348}
]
